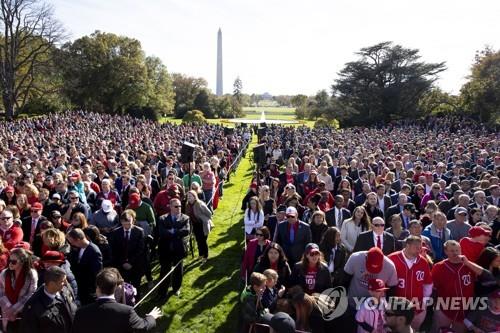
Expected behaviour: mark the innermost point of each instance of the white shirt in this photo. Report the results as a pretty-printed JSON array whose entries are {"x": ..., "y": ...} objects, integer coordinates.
[
  {"x": 381, "y": 203},
  {"x": 409, "y": 262},
  {"x": 80, "y": 253}
]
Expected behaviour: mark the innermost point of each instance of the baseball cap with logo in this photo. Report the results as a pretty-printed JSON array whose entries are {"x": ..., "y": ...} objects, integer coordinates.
[
  {"x": 374, "y": 260},
  {"x": 292, "y": 211},
  {"x": 376, "y": 285},
  {"x": 106, "y": 206},
  {"x": 311, "y": 248}
]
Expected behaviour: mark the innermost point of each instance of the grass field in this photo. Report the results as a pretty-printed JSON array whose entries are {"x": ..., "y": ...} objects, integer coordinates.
[
  {"x": 209, "y": 294},
  {"x": 271, "y": 112}
]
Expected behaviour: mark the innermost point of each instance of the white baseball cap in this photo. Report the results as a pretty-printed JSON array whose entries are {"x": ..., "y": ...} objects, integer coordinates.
[
  {"x": 107, "y": 206},
  {"x": 291, "y": 211}
]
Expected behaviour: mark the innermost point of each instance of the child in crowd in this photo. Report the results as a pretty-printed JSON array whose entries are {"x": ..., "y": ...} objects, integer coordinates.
[
  {"x": 370, "y": 316},
  {"x": 251, "y": 300},
  {"x": 271, "y": 293}
]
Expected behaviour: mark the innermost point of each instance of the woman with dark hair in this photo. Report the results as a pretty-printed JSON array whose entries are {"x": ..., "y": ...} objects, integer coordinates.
[
  {"x": 416, "y": 198},
  {"x": 318, "y": 226},
  {"x": 17, "y": 283},
  {"x": 94, "y": 235},
  {"x": 274, "y": 257},
  {"x": 371, "y": 206},
  {"x": 308, "y": 316},
  {"x": 489, "y": 259},
  {"x": 253, "y": 218},
  {"x": 311, "y": 273},
  {"x": 335, "y": 254},
  {"x": 310, "y": 184},
  {"x": 268, "y": 204},
  {"x": 255, "y": 248},
  {"x": 397, "y": 231},
  {"x": 475, "y": 216},
  {"x": 351, "y": 228},
  {"x": 38, "y": 248}
]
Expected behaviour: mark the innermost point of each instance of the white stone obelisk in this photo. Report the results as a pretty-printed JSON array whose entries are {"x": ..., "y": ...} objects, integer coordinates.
[{"x": 219, "y": 90}]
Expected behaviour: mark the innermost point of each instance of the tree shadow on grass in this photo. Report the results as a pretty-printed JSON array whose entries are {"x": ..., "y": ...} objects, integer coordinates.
[
  {"x": 234, "y": 232},
  {"x": 231, "y": 323}
]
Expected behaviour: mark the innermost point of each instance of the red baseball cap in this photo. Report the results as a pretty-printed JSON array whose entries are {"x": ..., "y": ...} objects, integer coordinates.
[
  {"x": 376, "y": 285},
  {"x": 478, "y": 231},
  {"x": 134, "y": 200},
  {"x": 53, "y": 256},
  {"x": 9, "y": 189},
  {"x": 75, "y": 174},
  {"x": 37, "y": 206},
  {"x": 374, "y": 260}
]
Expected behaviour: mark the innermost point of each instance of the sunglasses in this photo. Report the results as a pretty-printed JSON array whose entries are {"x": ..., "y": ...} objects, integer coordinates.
[
  {"x": 378, "y": 225},
  {"x": 290, "y": 216},
  {"x": 314, "y": 254},
  {"x": 177, "y": 206},
  {"x": 13, "y": 261},
  {"x": 34, "y": 210}
]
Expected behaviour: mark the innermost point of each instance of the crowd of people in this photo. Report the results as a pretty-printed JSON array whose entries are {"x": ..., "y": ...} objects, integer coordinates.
[
  {"x": 90, "y": 202},
  {"x": 407, "y": 212}
]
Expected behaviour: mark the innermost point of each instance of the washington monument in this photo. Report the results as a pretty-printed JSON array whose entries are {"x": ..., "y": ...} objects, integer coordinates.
[{"x": 219, "y": 89}]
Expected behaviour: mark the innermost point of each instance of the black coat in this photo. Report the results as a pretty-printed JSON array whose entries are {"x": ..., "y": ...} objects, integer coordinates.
[
  {"x": 365, "y": 242},
  {"x": 175, "y": 243},
  {"x": 85, "y": 271},
  {"x": 338, "y": 262},
  {"x": 331, "y": 219},
  {"x": 108, "y": 316},
  {"x": 26, "y": 226},
  {"x": 133, "y": 253},
  {"x": 41, "y": 314},
  {"x": 293, "y": 250}
]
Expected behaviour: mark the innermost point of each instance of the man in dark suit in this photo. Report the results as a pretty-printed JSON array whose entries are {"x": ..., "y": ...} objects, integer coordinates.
[
  {"x": 127, "y": 247},
  {"x": 293, "y": 236},
  {"x": 173, "y": 231},
  {"x": 52, "y": 307},
  {"x": 108, "y": 316},
  {"x": 334, "y": 170},
  {"x": 494, "y": 197},
  {"x": 338, "y": 214},
  {"x": 358, "y": 184},
  {"x": 349, "y": 204},
  {"x": 86, "y": 262},
  {"x": 376, "y": 237},
  {"x": 398, "y": 207},
  {"x": 383, "y": 200},
  {"x": 361, "y": 197},
  {"x": 31, "y": 224}
]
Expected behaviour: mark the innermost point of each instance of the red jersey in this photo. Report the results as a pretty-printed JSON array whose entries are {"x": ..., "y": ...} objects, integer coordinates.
[
  {"x": 411, "y": 281},
  {"x": 452, "y": 280}
]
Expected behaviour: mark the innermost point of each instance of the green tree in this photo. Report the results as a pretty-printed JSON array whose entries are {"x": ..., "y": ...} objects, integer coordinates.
[
  {"x": 221, "y": 106},
  {"x": 436, "y": 102},
  {"x": 161, "y": 91},
  {"x": 385, "y": 83},
  {"x": 237, "y": 98},
  {"x": 186, "y": 89},
  {"x": 202, "y": 103},
  {"x": 29, "y": 33},
  {"x": 194, "y": 116},
  {"x": 481, "y": 94}
]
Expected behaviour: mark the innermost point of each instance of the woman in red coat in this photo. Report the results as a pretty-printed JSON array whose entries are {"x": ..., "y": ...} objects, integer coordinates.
[{"x": 255, "y": 249}]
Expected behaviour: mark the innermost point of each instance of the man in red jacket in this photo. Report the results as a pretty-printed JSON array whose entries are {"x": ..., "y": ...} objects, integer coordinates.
[{"x": 10, "y": 233}]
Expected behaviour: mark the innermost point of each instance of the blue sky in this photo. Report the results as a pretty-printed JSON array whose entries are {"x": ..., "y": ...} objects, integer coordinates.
[{"x": 290, "y": 46}]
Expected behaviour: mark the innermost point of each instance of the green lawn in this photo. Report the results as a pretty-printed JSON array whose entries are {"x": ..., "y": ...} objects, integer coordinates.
[{"x": 209, "y": 299}]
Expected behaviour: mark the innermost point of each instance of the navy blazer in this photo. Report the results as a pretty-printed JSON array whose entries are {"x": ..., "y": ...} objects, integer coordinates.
[{"x": 293, "y": 250}]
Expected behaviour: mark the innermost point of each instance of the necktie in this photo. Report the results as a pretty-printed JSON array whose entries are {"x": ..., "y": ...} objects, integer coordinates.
[
  {"x": 33, "y": 228},
  {"x": 440, "y": 234},
  {"x": 126, "y": 243},
  {"x": 339, "y": 218},
  {"x": 379, "y": 242},
  {"x": 292, "y": 234}
]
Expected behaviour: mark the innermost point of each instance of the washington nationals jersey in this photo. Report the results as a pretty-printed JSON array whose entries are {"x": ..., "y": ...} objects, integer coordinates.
[
  {"x": 452, "y": 281},
  {"x": 411, "y": 281}
]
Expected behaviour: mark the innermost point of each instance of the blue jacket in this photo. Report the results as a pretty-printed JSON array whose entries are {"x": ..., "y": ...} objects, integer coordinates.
[{"x": 437, "y": 243}]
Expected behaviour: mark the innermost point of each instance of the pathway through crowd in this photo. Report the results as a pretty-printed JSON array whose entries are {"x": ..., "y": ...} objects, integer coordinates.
[{"x": 209, "y": 294}]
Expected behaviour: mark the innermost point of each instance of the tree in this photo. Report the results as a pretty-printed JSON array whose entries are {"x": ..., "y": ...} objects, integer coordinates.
[
  {"x": 437, "y": 101},
  {"x": 385, "y": 83},
  {"x": 186, "y": 89},
  {"x": 221, "y": 106},
  {"x": 202, "y": 103},
  {"x": 30, "y": 33},
  {"x": 481, "y": 94},
  {"x": 161, "y": 90},
  {"x": 298, "y": 100},
  {"x": 194, "y": 116},
  {"x": 237, "y": 99}
]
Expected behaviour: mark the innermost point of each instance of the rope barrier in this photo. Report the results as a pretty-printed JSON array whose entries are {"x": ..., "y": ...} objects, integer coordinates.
[{"x": 158, "y": 284}]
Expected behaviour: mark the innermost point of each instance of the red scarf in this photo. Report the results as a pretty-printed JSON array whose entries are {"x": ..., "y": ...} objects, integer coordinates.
[{"x": 13, "y": 293}]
